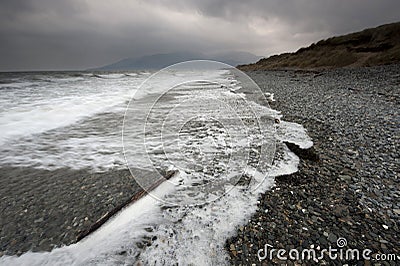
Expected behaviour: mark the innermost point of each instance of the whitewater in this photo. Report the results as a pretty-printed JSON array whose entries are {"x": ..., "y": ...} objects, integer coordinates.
[{"x": 74, "y": 120}]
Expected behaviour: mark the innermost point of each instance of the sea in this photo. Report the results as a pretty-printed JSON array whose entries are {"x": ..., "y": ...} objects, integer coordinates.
[{"x": 212, "y": 126}]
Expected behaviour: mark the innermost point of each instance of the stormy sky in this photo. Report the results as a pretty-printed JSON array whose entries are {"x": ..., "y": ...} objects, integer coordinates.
[{"x": 79, "y": 34}]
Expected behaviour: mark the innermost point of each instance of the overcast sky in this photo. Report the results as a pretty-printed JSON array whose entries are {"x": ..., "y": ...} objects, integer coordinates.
[{"x": 78, "y": 34}]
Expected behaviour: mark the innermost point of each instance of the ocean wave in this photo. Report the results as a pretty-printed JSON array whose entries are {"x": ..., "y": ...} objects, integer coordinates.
[{"x": 169, "y": 226}]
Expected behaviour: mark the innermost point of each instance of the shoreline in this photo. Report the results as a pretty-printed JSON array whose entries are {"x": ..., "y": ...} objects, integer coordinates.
[
  {"x": 137, "y": 196},
  {"x": 329, "y": 195},
  {"x": 336, "y": 196}
]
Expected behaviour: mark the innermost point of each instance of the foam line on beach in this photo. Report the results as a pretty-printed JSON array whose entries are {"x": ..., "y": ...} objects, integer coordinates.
[
  {"x": 155, "y": 231},
  {"x": 198, "y": 236}
]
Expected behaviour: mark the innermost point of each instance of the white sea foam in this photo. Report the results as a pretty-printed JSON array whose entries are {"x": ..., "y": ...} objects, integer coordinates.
[
  {"x": 36, "y": 122},
  {"x": 186, "y": 235},
  {"x": 294, "y": 133},
  {"x": 37, "y": 109},
  {"x": 36, "y": 119},
  {"x": 183, "y": 234}
]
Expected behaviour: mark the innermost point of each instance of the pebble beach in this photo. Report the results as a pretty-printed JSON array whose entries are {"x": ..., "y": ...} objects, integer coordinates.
[
  {"x": 346, "y": 187},
  {"x": 349, "y": 187}
]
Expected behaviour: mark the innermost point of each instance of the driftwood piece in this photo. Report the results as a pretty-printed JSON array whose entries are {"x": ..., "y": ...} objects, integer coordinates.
[{"x": 111, "y": 213}]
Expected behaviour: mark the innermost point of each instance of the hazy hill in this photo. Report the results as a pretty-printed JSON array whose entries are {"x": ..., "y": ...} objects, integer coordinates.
[
  {"x": 158, "y": 61},
  {"x": 375, "y": 46}
]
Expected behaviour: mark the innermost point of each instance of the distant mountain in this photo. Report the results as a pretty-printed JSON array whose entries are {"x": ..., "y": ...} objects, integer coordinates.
[
  {"x": 158, "y": 61},
  {"x": 375, "y": 46}
]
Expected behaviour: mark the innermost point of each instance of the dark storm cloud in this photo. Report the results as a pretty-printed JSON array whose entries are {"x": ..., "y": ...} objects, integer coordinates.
[
  {"x": 303, "y": 16},
  {"x": 57, "y": 34}
]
